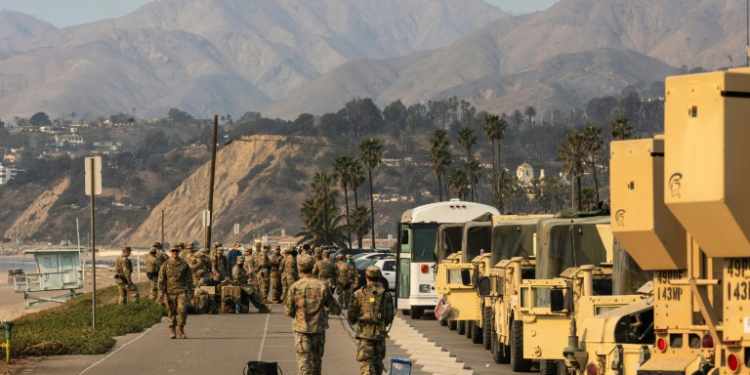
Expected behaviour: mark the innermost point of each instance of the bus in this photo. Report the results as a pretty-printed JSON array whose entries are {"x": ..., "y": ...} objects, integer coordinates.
[{"x": 417, "y": 235}]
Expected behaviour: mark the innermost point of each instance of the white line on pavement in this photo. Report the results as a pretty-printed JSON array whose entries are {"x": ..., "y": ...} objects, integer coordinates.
[
  {"x": 116, "y": 350},
  {"x": 263, "y": 342}
]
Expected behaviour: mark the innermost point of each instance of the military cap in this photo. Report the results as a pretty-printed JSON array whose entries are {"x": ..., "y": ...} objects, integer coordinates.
[
  {"x": 305, "y": 263},
  {"x": 340, "y": 256},
  {"x": 266, "y": 247},
  {"x": 126, "y": 249},
  {"x": 257, "y": 242},
  {"x": 217, "y": 244},
  {"x": 372, "y": 272},
  {"x": 277, "y": 247},
  {"x": 349, "y": 257},
  {"x": 306, "y": 247},
  {"x": 191, "y": 246},
  {"x": 206, "y": 250},
  {"x": 326, "y": 251},
  {"x": 287, "y": 251},
  {"x": 174, "y": 248},
  {"x": 153, "y": 250},
  {"x": 318, "y": 250},
  {"x": 181, "y": 244},
  {"x": 157, "y": 245}
]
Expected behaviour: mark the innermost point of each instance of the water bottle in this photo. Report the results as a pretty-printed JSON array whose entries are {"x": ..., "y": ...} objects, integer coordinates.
[{"x": 237, "y": 308}]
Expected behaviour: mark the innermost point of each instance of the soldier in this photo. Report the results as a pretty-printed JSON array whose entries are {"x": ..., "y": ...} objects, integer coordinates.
[
  {"x": 221, "y": 269},
  {"x": 163, "y": 257},
  {"x": 372, "y": 311},
  {"x": 240, "y": 278},
  {"x": 176, "y": 284},
  {"x": 123, "y": 271},
  {"x": 318, "y": 254},
  {"x": 309, "y": 303},
  {"x": 275, "y": 259},
  {"x": 257, "y": 248},
  {"x": 248, "y": 265},
  {"x": 353, "y": 275},
  {"x": 325, "y": 270},
  {"x": 153, "y": 263},
  {"x": 261, "y": 266},
  {"x": 344, "y": 288},
  {"x": 306, "y": 249},
  {"x": 234, "y": 253},
  {"x": 288, "y": 270},
  {"x": 197, "y": 264}
]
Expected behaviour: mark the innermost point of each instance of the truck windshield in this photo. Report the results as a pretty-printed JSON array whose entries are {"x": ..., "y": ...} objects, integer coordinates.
[
  {"x": 477, "y": 238},
  {"x": 423, "y": 245},
  {"x": 449, "y": 241},
  {"x": 566, "y": 245},
  {"x": 509, "y": 241}
]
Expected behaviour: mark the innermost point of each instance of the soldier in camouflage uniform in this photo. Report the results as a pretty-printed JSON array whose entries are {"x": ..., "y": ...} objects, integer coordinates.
[
  {"x": 372, "y": 310},
  {"x": 176, "y": 284},
  {"x": 240, "y": 279},
  {"x": 326, "y": 271},
  {"x": 344, "y": 288},
  {"x": 318, "y": 254},
  {"x": 289, "y": 274},
  {"x": 248, "y": 265},
  {"x": 309, "y": 302},
  {"x": 123, "y": 271},
  {"x": 261, "y": 267},
  {"x": 305, "y": 249},
  {"x": 221, "y": 269},
  {"x": 153, "y": 263},
  {"x": 275, "y": 259},
  {"x": 197, "y": 264},
  {"x": 162, "y": 255},
  {"x": 353, "y": 275}
]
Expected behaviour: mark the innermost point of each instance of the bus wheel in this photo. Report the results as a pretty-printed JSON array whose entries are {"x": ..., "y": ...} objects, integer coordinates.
[
  {"x": 517, "y": 362},
  {"x": 417, "y": 312}
]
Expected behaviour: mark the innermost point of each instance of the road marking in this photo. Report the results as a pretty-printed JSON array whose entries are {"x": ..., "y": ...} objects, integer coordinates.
[
  {"x": 116, "y": 350},
  {"x": 263, "y": 341}
]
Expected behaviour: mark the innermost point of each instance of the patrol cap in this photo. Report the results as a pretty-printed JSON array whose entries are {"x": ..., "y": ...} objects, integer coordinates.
[
  {"x": 174, "y": 248},
  {"x": 181, "y": 244},
  {"x": 191, "y": 246},
  {"x": 126, "y": 249},
  {"x": 305, "y": 263},
  {"x": 153, "y": 250},
  {"x": 372, "y": 273},
  {"x": 287, "y": 251},
  {"x": 217, "y": 244},
  {"x": 318, "y": 250},
  {"x": 157, "y": 245},
  {"x": 206, "y": 250},
  {"x": 349, "y": 257},
  {"x": 340, "y": 256},
  {"x": 277, "y": 247},
  {"x": 257, "y": 242},
  {"x": 266, "y": 247}
]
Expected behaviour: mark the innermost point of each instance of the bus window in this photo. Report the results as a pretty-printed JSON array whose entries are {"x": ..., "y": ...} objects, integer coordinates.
[
  {"x": 424, "y": 243},
  {"x": 405, "y": 237}
]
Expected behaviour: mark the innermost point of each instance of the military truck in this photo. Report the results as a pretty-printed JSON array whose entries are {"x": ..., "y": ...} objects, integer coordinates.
[{"x": 447, "y": 250}]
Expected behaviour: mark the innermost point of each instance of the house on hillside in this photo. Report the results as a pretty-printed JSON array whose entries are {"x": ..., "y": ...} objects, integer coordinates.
[
  {"x": 525, "y": 173},
  {"x": 107, "y": 148},
  {"x": 69, "y": 140},
  {"x": 7, "y": 174}
]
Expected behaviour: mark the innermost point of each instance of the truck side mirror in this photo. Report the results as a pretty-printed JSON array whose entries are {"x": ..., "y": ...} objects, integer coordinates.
[
  {"x": 556, "y": 300},
  {"x": 466, "y": 277},
  {"x": 484, "y": 287}
]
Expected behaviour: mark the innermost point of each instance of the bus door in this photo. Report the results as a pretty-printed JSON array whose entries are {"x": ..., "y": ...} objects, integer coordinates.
[{"x": 403, "y": 266}]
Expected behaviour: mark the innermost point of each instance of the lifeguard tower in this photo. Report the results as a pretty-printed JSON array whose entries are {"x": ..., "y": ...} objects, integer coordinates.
[{"x": 58, "y": 269}]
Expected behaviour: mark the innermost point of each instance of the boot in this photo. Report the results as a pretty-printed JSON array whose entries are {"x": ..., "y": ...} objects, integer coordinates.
[
  {"x": 171, "y": 333},
  {"x": 181, "y": 332},
  {"x": 264, "y": 310}
]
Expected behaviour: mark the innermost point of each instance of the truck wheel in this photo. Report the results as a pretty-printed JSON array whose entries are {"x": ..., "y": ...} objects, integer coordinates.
[
  {"x": 416, "y": 312},
  {"x": 499, "y": 350},
  {"x": 405, "y": 312},
  {"x": 517, "y": 362},
  {"x": 452, "y": 325},
  {"x": 552, "y": 367},
  {"x": 443, "y": 323},
  {"x": 476, "y": 333},
  {"x": 461, "y": 327},
  {"x": 469, "y": 329},
  {"x": 487, "y": 328}
]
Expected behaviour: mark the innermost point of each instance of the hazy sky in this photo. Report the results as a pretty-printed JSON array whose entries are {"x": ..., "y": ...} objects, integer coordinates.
[{"x": 63, "y": 13}]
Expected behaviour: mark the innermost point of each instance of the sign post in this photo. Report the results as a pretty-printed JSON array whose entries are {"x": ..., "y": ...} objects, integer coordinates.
[
  {"x": 236, "y": 231},
  {"x": 93, "y": 187}
]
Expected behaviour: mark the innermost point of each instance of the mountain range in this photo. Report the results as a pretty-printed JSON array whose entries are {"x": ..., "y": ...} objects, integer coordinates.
[{"x": 291, "y": 56}]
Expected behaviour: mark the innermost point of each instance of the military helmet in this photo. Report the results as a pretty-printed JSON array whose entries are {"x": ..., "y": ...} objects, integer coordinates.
[
  {"x": 373, "y": 273},
  {"x": 305, "y": 263},
  {"x": 340, "y": 256},
  {"x": 349, "y": 257}
]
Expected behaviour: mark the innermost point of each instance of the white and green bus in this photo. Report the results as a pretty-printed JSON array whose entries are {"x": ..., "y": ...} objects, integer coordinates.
[{"x": 416, "y": 268}]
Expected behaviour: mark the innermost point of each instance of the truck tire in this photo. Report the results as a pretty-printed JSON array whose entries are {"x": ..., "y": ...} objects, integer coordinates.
[
  {"x": 416, "y": 312},
  {"x": 517, "y": 362},
  {"x": 461, "y": 327},
  {"x": 405, "y": 312},
  {"x": 469, "y": 329},
  {"x": 476, "y": 333},
  {"x": 487, "y": 328},
  {"x": 552, "y": 367},
  {"x": 499, "y": 350},
  {"x": 443, "y": 323},
  {"x": 452, "y": 325}
]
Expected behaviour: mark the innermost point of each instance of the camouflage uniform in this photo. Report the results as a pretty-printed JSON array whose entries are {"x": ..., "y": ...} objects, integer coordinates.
[
  {"x": 275, "y": 260},
  {"x": 198, "y": 266},
  {"x": 289, "y": 274},
  {"x": 153, "y": 263},
  {"x": 221, "y": 269},
  {"x": 175, "y": 283},
  {"x": 309, "y": 303},
  {"x": 344, "y": 287},
  {"x": 353, "y": 274},
  {"x": 372, "y": 309},
  {"x": 240, "y": 279},
  {"x": 123, "y": 271},
  {"x": 261, "y": 267},
  {"x": 248, "y": 265},
  {"x": 326, "y": 271}
]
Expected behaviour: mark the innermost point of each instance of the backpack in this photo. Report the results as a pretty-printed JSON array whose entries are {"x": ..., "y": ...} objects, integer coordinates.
[
  {"x": 261, "y": 368},
  {"x": 373, "y": 305},
  {"x": 202, "y": 301}
]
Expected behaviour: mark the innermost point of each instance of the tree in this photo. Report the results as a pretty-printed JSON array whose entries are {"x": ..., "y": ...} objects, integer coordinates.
[
  {"x": 341, "y": 168},
  {"x": 594, "y": 141},
  {"x": 40, "y": 119},
  {"x": 517, "y": 118},
  {"x": 553, "y": 195},
  {"x": 440, "y": 157},
  {"x": 177, "y": 115},
  {"x": 621, "y": 129},
  {"x": 467, "y": 139},
  {"x": 473, "y": 175},
  {"x": 396, "y": 114},
  {"x": 572, "y": 152},
  {"x": 372, "y": 155},
  {"x": 494, "y": 128},
  {"x": 458, "y": 182},
  {"x": 360, "y": 223},
  {"x": 73, "y": 116}
]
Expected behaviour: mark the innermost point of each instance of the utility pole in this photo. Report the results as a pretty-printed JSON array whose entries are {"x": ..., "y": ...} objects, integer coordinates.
[
  {"x": 93, "y": 187},
  {"x": 162, "y": 228},
  {"x": 211, "y": 188}
]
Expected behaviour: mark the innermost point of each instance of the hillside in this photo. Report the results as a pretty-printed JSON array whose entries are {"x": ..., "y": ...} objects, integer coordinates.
[{"x": 217, "y": 56}]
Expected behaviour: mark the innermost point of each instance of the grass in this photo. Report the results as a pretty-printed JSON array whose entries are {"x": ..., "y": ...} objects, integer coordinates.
[{"x": 66, "y": 329}]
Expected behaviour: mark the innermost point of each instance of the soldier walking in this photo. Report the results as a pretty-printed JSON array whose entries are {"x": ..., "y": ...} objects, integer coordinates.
[
  {"x": 353, "y": 275},
  {"x": 123, "y": 272},
  {"x": 308, "y": 303},
  {"x": 153, "y": 263},
  {"x": 176, "y": 283},
  {"x": 372, "y": 311},
  {"x": 261, "y": 266},
  {"x": 326, "y": 271},
  {"x": 275, "y": 260},
  {"x": 288, "y": 270},
  {"x": 240, "y": 278},
  {"x": 343, "y": 288}
]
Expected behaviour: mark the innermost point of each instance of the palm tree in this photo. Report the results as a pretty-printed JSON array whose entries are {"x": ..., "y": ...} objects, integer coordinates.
[
  {"x": 594, "y": 142},
  {"x": 325, "y": 197},
  {"x": 340, "y": 168},
  {"x": 530, "y": 112},
  {"x": 572, "y": 151},
  {"x": 466, "y": 139},
  {"x": 494, "y": 128},
  {"x": 440, "y": 157},
  {"x": 473, "y": 175},
  {"x": 372, "y": 155},
  {"x": 490, "y": 129},
  {"x": 360, "y": 223},
  {"x": 458, "y": 181},
  {"x": 621, "y": 128}
]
